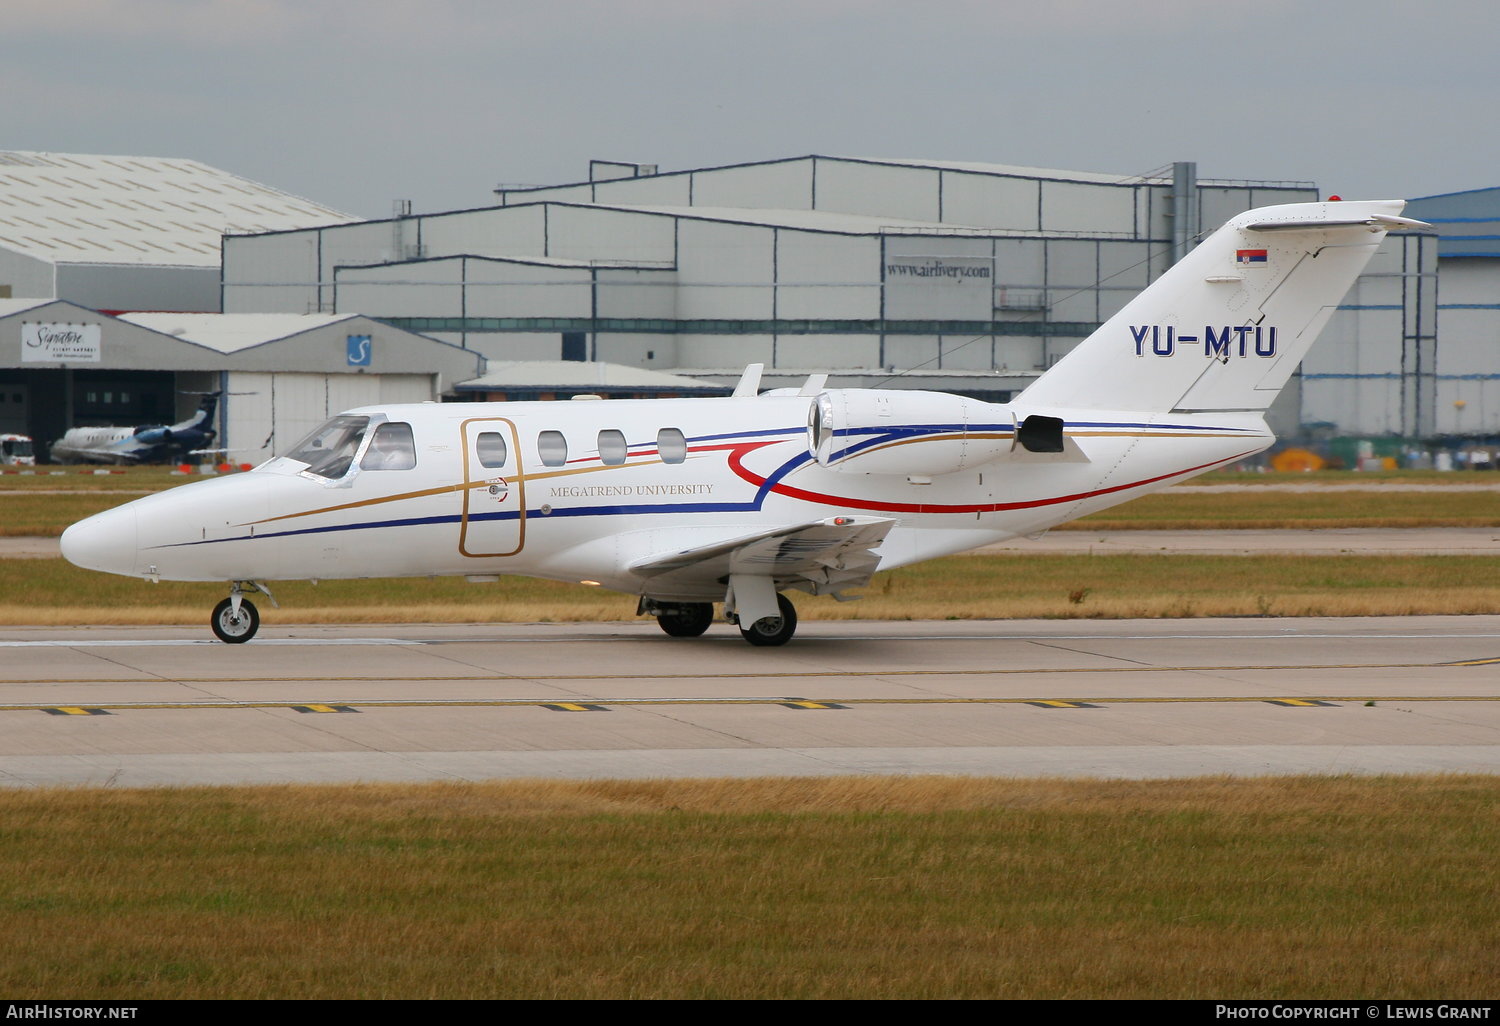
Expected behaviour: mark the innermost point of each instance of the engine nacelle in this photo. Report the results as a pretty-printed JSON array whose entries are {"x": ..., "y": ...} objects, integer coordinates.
[{"x": 895, "y": 431}]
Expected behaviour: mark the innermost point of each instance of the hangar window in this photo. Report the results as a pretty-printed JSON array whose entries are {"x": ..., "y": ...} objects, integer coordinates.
[
  {"x": 490, "y": 448},
  {"x": 329, "y": 450},
  {"x": 392, "y": 448},
  {"x": 552, "y": 448},
  {"x": 671, "y": 445},
  {"x": 612, "y": 448}
]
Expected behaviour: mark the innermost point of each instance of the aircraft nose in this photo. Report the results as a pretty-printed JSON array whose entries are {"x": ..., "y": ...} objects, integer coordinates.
[{"x": 105, "y": 541}]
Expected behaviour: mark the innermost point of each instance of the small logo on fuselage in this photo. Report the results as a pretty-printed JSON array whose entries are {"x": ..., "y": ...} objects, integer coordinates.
[{"x": 1218, "y": 343}]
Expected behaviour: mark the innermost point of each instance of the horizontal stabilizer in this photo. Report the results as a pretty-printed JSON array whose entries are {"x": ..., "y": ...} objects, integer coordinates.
[{"x": 1376, "y": 222}]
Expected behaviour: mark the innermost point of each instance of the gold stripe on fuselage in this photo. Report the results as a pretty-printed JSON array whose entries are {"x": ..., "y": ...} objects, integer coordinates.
[
  {"x": 519, "y": 478},
  {"x": 524, "y": 477}
]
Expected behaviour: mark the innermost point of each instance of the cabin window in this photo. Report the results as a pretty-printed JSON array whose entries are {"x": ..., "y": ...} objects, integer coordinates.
[
  {"x": 490, "y": 448},
  {"x": 329, "y": 450},
  {"x": 612, "y": 448},
  {"x": 552, "y": 448},
  {"x": 671, "y": 446},
  {"x": 392, "y": 448}
]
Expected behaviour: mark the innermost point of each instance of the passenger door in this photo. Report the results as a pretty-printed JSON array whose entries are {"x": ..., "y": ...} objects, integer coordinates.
[{"x": 493, "y": 521}]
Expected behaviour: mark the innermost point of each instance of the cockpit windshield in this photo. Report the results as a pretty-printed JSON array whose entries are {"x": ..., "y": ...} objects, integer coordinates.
[{"x": 329, "y": 451}]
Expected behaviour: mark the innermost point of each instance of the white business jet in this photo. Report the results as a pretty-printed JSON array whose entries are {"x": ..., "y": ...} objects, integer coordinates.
[
  {"x": 149, "y": 443},
  {"x": 691, "y": 502}
]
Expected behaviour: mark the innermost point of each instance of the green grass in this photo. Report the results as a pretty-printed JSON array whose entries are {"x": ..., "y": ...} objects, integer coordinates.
[
  {"x": 1262, "y": 509},
  {"x": 102, "y": 479},
  {"x": 855, "y": 888},
  {"x": 28, "y": 514}
]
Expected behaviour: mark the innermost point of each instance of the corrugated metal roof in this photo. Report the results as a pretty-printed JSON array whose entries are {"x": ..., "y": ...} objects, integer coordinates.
[
  {"x": 565, "y": 375},
  {"x": 812, "y": 220},
  {"x": 229, "y": 333},
  {"x": 1007, "y": 169},
  {"x": 79, "y": 208},
  {"x": 1158, "y": 176}
]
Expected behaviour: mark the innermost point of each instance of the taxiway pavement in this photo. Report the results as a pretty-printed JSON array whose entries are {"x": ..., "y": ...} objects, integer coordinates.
[{"x": 1124, "y": 698}]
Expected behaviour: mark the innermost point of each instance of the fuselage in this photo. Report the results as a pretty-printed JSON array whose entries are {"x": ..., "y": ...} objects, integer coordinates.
[
  {"x": 581, "y": 491},
  {"x": 94, "y": 445}
]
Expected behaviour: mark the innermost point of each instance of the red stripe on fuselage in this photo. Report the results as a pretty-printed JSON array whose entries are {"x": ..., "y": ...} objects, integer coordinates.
[{"x": 738, "y": 451}]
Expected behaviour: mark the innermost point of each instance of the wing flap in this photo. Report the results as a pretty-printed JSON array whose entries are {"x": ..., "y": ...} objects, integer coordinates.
[{"x": 821, "y": 557}]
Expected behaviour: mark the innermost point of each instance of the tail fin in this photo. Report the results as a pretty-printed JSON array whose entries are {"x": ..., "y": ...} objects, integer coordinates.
[
  {"x": 1225, "y": 327},
  {"x": 203, "y": 416}
]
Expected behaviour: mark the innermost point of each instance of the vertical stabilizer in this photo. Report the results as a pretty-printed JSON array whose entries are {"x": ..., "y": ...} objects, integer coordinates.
[{"x": 1226, "y": 326}]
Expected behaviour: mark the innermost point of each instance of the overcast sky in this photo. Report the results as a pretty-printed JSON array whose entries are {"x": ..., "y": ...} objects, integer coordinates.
[{"x": 355, "y": 105}]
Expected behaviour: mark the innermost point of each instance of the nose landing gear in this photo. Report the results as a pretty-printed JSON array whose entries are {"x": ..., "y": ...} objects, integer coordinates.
[{"x": 235, "y": 619}]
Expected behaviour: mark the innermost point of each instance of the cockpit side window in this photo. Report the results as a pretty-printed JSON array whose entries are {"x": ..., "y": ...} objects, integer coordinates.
[
  {"x": 392, "y": 448},
  {"x": 329, "y": 450}
]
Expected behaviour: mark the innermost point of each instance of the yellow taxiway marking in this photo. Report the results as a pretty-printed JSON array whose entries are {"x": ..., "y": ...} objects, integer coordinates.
[
  {"x": 988, "y": 671},
  {"x": 603, "y": 704}
]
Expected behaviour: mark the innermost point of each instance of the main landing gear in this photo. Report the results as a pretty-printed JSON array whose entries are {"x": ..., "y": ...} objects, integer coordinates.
[
  {"x": 773, "y": 630},
  {"x": 685, "y": 619},
  {"x": 235, "y": 619},
  {"x": 690, "y": 619}
]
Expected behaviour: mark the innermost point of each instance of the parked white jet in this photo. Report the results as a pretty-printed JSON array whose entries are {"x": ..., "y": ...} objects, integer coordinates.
[
  {"x": 689, "y": 502},
  {"x": 149, "y": 443}
]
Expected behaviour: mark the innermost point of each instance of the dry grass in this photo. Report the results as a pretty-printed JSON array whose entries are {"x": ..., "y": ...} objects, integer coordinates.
[
  {"x": 1451, "y": 479},
  {"x": 850, "y": 888},
  {"x": 1002, "y": 586}
]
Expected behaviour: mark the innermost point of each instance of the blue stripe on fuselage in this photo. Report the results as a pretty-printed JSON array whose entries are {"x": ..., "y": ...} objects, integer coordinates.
[{"x": 753, "y": 505}]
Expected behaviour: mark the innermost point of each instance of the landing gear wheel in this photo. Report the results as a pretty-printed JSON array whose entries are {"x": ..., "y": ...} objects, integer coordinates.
[
  {"x": 232, "y": 629},
  {"x": 773, "y": 630},
  {"x": 686, "y": 619}
]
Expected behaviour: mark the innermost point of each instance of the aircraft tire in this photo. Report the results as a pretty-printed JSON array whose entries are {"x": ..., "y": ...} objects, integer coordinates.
[
  {"x": 773, "y": 630},
  {"x": 234, "y": 630},
  {"x": 687, "y": 620}
]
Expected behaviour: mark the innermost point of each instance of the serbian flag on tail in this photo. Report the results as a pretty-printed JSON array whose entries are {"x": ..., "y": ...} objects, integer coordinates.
[{"x": 1250, "y": 257}]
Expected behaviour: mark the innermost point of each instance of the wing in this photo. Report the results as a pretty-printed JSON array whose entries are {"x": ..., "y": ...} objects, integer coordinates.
[
  {"x": 822, "y": 557},
  {"x": 97, "y": 454}
]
